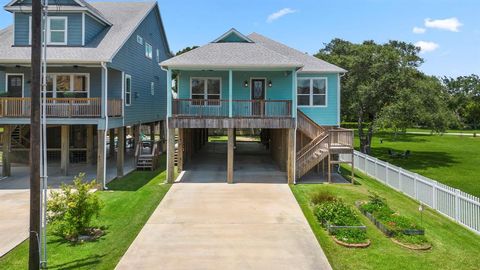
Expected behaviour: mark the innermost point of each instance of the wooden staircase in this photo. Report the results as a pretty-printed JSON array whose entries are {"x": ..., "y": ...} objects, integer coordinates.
[
  {"x": 147, "y": 160},
  {"x": 316, "y": 150},
  {"x": 19, "y": 136}
]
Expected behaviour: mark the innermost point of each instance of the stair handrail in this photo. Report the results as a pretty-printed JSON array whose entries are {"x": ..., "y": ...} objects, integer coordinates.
[
  {"x": 301, "y": 116},
  {"x": 312, "y": 144},
  {"x": 302, "y": 159}
]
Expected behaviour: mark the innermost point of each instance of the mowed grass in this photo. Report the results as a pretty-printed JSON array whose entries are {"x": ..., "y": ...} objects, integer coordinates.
[
  {"x": 454, "y": 247},
  {"x": 449, "y": 159},
  {"x": 128, "y": 204}
]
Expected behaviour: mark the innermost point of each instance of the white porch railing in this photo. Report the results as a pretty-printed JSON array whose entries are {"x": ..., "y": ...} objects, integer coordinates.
[{"x": 453, "y": 203}]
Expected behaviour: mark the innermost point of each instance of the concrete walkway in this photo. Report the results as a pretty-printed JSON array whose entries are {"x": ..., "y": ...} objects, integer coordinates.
[{"x": 222, "y": 226}]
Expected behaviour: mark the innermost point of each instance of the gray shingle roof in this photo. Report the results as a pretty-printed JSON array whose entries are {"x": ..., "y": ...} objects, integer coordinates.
[
  {"x": 124, "y": 16},
  {"x": 262, "y": 53},
  {"x": 311, "y": 64}
]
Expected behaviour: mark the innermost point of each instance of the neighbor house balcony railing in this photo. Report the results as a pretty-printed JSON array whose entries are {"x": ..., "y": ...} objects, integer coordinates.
[
  {"x": 205, "y": 108},
  {"x": 61, "y": 107}
]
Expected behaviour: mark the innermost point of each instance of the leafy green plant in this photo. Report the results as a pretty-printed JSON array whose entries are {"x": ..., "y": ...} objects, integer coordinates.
[
  {"x": 351, "y": 236},
  {"x": 321, "y": 196},
  {"x": 71, "y": 209}
]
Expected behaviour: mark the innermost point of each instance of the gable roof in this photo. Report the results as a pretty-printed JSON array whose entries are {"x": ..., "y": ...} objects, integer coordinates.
[
  {"x": 239, "y": 37},
  {"x": 125, "y": 18},
  {"x": 260, "y": 52}
]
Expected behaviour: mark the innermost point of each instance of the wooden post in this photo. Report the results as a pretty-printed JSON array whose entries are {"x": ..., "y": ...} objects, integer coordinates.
[
  {"x": 65, "y": 147},
  {"x": 90, "y": 157},
  {"x": 230, "y": 155},
  {"x": 136, "y": 135},
  {"x": 100, "y": 155},
  {"x": 329, "y": 169},
  {"x": 152, "y": 131},
  {"x": 120, "y": 151},
  {"x": 235, "y": 137},
  {"x": 181, "y": 142},
  {"x": 7, "y": 137},
  {"x": 170, "y": 155},
  {"x": 291, "y": 155},
  {"x": 111, "y": 137}
]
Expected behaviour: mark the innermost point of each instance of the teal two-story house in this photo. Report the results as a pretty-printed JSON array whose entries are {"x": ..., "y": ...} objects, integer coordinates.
[
  {"x": 253, "y": 82},
  {"x": 103, "y": 75}
]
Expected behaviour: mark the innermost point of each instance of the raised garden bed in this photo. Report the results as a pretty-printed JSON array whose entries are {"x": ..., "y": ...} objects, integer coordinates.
[
  {"x": 340, "y": 220},
  {"x": 402, "y": 230}
]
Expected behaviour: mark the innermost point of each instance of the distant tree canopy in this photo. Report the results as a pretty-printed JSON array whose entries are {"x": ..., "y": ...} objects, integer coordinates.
[
  {"x": 187, "y": 49},
  {"x": 384, "y": 88},
  {"x": 464, "y": 99}
]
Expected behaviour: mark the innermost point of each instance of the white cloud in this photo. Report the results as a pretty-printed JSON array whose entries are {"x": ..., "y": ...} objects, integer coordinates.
[
  {"x": 277, "y": 15},
  {"x": 449, "y": 24},
  {"x": 427, "y": 46},
  {"x": 418, "y": 30}
]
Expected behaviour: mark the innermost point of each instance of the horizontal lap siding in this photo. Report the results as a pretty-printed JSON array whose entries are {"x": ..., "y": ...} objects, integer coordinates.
[
  {"x": 55, "y": 2},
  {"x": 92, "y": 28},
  {"x": 328, "y": 115},
  {"x": 74, "y": 27},
  {"x": 2, "y": 80},
  {"x": 131, "y": 59}
]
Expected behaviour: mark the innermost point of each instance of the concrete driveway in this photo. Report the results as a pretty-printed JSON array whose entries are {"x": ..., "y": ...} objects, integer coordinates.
[
  {"x": 14, "y": 205},
  {"x": 222, "y": 226}
]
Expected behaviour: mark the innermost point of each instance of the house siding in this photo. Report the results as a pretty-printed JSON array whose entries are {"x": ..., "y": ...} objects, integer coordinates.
[
  {"x": 327, "y": 116},
  {"x": 92, "y": 28},
  {"x": 131, "y": 59},
  {"x": 56, "y": 2},
  {"x": 74, "y": 28},
  {"x": 2, "y": 81}
]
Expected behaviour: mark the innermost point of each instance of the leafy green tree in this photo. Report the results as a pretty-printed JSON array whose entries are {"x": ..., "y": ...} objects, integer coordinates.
[
  {"x": 464, "y": 98},
  {"x": 383, "y": 87},
  {"x": 184, "y": 50}
]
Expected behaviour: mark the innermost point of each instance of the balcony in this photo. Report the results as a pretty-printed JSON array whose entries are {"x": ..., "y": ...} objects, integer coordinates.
[
  {"x": 211, "y": 108},
  {"x": 61, "y": 107}
]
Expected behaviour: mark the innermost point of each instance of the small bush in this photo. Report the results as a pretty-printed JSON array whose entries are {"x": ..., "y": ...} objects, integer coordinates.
[
  {"x": 71, "y": 209},
  {"x": 351, "y": 236},
  {"x": 321, "y": 196}
]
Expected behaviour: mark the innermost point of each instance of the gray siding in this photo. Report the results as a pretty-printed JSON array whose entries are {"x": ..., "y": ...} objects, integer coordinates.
[
  {"x": 74, "y": 27},
  {"x": 131, "y": 59},
  {"x": 92, "y": 28}
]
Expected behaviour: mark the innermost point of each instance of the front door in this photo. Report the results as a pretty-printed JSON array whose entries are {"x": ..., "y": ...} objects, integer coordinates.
[
  {"x": 14, "y": 85},
  {"x": 258, "y": 97}
]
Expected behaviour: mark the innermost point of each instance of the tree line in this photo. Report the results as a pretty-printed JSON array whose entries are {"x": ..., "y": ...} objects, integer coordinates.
[{"x": 384, "y": 88}]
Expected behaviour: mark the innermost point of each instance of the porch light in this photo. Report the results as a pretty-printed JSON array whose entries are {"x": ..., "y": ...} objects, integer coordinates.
[
  {"x": 270, "y": 83},
  {"x": 245, "y": 83}
]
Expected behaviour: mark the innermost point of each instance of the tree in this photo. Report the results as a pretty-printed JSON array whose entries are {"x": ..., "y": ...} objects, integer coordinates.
[
  {"x": 382, "y": 86},
  {"x": 184, "y": 50},
  {"x": 464, "y": 98}
]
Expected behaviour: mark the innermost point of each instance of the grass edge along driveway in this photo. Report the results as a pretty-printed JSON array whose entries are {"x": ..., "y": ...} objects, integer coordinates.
[
  {"x": 454, "y": 247},
  {"x": 128, "y": 204}
]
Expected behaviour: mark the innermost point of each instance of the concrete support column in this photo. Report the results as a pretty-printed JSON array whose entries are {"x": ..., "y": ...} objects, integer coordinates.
[
  {"x": 100, "y": 155},
  {"x": 181, "y": 142},
  {"x": 111, "y": 149},
  {"x": 120, "y": 151},
  {"x": 90, "y": 143},
  {"x": 7, "y": 136},
  {"x": 291, "y": 155},
  {"x": 170, "y": 155},
  {"x": 230, "y": 155},
  {"x": 65, "y": 149}
]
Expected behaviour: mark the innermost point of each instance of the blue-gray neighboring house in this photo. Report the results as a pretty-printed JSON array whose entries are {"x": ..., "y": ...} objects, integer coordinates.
[{"x": 103, "y": 76}]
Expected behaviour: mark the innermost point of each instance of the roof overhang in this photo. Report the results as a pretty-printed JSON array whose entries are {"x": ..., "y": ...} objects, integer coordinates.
[{"x": 233, "y": 67}]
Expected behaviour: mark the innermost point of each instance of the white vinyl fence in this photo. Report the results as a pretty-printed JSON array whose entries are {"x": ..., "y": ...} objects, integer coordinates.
[{"x": 460, "y": 206}]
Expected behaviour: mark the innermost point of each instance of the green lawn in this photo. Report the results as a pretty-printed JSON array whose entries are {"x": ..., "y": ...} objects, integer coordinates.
[
  {"x": 454, "y": 247},
  {"x": 452, "y": 160},
  {"x": 129, "y": 202}
]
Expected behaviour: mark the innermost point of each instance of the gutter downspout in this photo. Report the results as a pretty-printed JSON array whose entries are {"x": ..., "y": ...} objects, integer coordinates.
[
  {"x": 294, "y": 106},
  {"x": 105, "y": 114}
]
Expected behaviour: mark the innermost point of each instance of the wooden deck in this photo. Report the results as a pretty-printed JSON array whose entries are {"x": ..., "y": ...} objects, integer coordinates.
[{"x": 61, "y": 107}]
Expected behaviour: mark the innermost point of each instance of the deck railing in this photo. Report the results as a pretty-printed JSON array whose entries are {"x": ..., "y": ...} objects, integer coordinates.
[
  {"x": 60, "y": 107},
  {"x": 240, "y": 108},
  {"x": 340, "y": 137}
]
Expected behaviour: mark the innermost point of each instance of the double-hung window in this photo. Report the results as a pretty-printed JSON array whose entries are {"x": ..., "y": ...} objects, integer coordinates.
[
  {"x": 57, "y": 30},
  {"x": 148, "y": 50},
  {"x": 312, "y": 92},
  {"x": 206, "y": 89},
  {"x": 128, "y": 90}
]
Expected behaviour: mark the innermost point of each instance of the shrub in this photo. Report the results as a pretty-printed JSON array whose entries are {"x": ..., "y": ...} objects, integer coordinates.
[
  {"x": 351, "y": 236},
  {"x": 71, "y": 209}
]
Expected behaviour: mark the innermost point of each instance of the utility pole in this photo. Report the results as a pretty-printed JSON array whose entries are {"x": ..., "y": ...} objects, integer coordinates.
[{"x": 34, "y": 248}]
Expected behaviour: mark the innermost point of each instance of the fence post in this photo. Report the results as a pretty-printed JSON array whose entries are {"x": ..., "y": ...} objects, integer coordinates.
[
  {"x": 386, "y": 172},
  {"x": 434, "y": 196},
  {"x": 457, "y": 205},
  {"x": 400, "y": 186},
  {"x": 375, "y": 168},
  {"x": 415, "y": 191}
]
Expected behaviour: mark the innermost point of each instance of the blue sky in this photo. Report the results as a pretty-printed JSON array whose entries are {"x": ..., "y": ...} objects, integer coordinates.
[{"x": 448, "y": 30}]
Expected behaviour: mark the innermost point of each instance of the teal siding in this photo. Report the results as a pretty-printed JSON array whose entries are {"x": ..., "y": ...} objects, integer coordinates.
[
  {"x": 131, "y": 59},
  {"x": 232, "y": 37},
  {"x": 328, "y": 115},
  {"x": 74, "y": 26},
  {"x": 92, "y": 28},
  {"x": 2, "y": 80}
]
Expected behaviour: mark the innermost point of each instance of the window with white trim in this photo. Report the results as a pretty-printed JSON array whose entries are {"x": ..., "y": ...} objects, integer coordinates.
[
  {"x": 57, "y": 30},
  {"x": 152, "y": 88},
  {"x": 66, "y": 85},
  {"x": 139, "y": 40},
  {"x": 206, "y": 88},
  {"x": 128, "y": 90},
  {"x": 312, "y": 92},
  {"x": 148, "y": 50}
]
